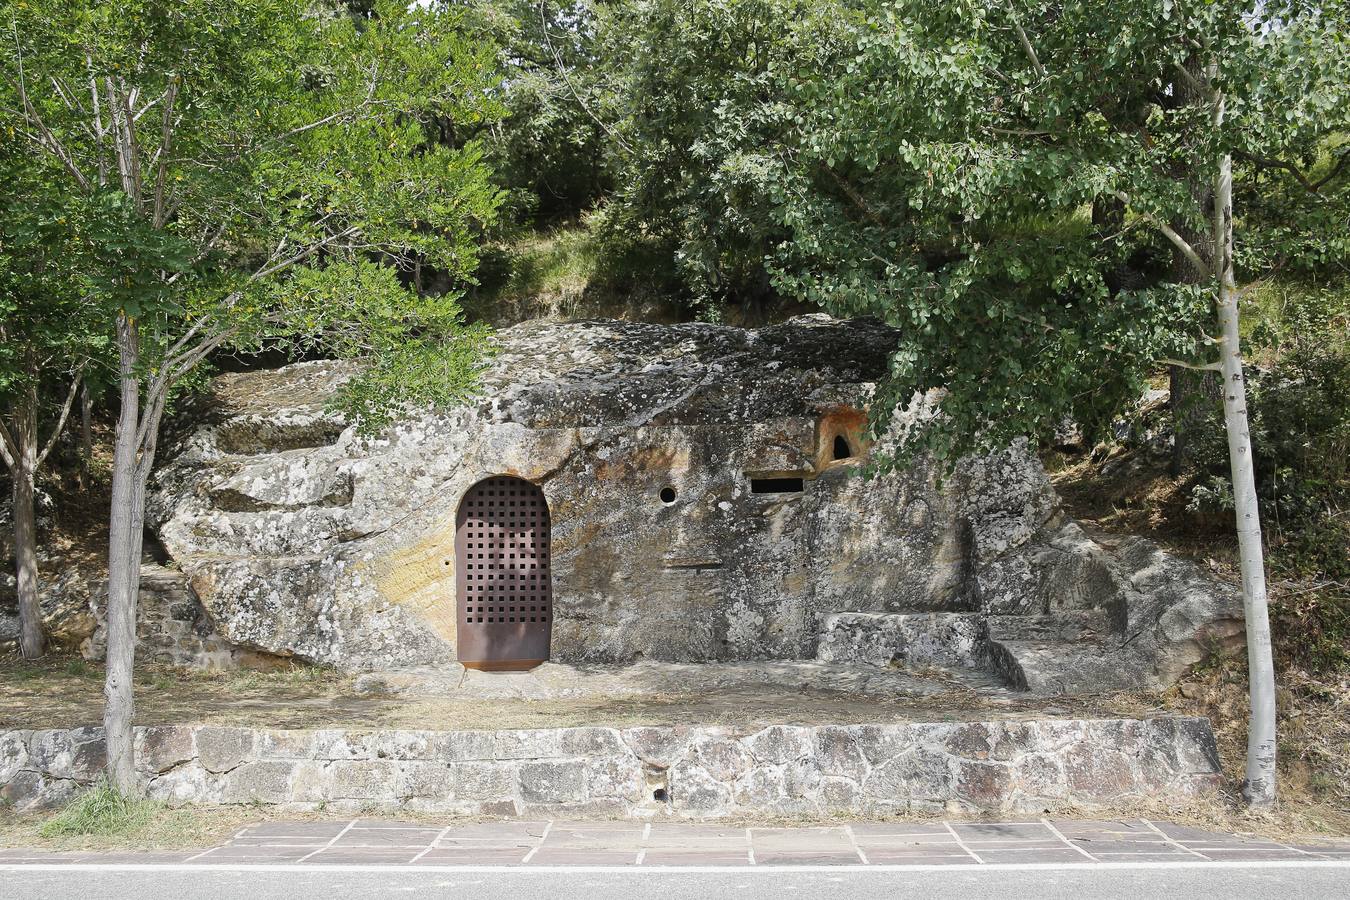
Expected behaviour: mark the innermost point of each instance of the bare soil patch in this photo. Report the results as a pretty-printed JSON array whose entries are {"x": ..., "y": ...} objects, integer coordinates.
[{"x": 66, "y": 692}]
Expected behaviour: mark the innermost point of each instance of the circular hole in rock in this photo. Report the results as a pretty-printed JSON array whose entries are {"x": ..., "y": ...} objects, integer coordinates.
[
  {"x": 667, "y": 495},
  {"x": 660, "y": 795}
]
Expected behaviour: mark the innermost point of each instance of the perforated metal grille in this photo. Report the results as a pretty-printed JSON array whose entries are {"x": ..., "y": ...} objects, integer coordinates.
[{"x": 502, "y": 549}]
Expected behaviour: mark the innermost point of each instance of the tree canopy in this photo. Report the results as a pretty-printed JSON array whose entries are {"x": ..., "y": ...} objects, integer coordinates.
[
  {"x": 246, "y": 174},
  {"x": 963, "y": 171}
]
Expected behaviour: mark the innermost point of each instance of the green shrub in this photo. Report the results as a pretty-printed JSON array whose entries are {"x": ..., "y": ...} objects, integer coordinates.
[
  {"x": 1299, "y": 410},
  {"x": 103, "y": 811}
]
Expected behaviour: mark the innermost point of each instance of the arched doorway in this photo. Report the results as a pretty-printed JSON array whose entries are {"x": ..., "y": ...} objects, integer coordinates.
[{"x": 502, "y": 576}]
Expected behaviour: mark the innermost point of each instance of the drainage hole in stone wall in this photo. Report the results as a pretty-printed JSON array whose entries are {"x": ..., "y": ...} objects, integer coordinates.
[
  {"x": 776, "y": 485},
  {"x": 660, "y": 795},
  {"x": 667, "y": 495},
  {"x": 841, "y": 448}
]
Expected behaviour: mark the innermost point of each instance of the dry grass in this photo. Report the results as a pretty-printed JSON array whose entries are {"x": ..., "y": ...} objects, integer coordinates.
[
  {"x": 66, "y": 692},
  {"x": 166, "y": 828},
  {"x": 1314, "y": 739},
  {"x": 159, "y": 828},
  {"x": 1141, "y": 497}
]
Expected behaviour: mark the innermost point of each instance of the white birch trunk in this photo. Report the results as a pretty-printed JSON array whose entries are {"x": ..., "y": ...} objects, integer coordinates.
[{"x": 1259, "y": 788}]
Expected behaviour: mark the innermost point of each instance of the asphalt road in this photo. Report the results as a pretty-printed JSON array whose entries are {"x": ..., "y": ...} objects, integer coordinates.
[{"x": 1230, "y": 881}]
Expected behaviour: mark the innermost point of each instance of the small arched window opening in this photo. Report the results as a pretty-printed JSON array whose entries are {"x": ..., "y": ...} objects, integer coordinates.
[{"x": 841, "y": 448}]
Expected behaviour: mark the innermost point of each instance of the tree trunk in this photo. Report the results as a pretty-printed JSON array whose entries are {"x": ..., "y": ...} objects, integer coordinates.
[
  {"x": 86, "y": 425},
  {"x": 24, "y": 475},
  {"x": 1194, "y": 397},
  {"x": 124, "y": 565},
  {"x": 1259, "y": 788}
]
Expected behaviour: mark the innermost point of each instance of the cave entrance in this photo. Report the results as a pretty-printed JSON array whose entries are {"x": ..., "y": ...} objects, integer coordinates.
[{"x": 502, "y": 575}]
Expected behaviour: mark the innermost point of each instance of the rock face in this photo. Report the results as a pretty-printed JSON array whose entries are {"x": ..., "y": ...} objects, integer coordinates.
[
  {"x": 707, "y": 503},
  {"x": 691, "y": 772}
]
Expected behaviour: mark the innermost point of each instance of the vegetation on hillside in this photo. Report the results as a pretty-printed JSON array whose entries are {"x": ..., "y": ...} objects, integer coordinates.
[{"x": 1052, "y": 199}]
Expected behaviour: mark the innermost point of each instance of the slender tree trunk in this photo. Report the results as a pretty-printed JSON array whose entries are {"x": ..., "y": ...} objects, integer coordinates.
[
  {"x": 24, "y": 475},
  {"x": 1194, "y": 397},
  {"x": 124, "y": 563},
  {"x": 86, "y": 425},
  {"x": 1260, "y": 785}
]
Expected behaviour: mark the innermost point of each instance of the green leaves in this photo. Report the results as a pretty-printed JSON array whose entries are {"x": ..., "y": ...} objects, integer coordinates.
[
  {"x": 416, "y": 350},
  {"x": 257, "y": 173},
  {"x": 921, "y": 163}
]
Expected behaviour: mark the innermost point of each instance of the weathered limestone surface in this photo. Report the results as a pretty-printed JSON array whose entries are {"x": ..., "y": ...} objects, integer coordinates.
[
  {"x": 694, "y": 772},
  {"x": 909, "y": 640},
  {"x": 301, "y": 538}
]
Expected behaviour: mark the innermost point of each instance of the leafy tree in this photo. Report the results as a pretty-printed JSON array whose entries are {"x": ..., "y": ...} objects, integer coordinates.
[
  {"x": 548, "y": 147},
  {"x": 1039, "y": 193},
  {"x": 262, "y": 172},
  {"x": 699, "y": 95},
  {"x": 47, "y": 338},
  {"x": 1048, "y": 109}
]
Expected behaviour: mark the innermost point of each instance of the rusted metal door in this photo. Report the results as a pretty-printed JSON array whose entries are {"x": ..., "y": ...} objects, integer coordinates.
[{"x": 502, "y": 578}]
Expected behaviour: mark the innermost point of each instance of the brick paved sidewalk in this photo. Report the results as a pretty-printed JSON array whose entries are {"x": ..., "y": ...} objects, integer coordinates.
[{"x": 568, "y": 843}]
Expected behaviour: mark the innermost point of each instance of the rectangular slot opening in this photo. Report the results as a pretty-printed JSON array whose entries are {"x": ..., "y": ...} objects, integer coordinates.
[{"x": 776, "y": 485}]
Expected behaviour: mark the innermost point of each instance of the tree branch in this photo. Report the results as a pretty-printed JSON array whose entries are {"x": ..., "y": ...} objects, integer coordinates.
[
  {"x": 124, "y": 134},
  {"x": 1335, "y": 170},
  {"x": 178, "y": 362},
  {"x": 856, "y": 197},
  {"x": 1177, "y": 240},
  {"x": 168, "y": 93},
  {"x": 30, "y": 113},
  {"x": 1266, "y": 162},
  {"x": 45, "y": 136},
  {"x": 67, "y": 96},
  {"x": 1314, "y": 187},
  {"x": 99, "y": 131},
  {"x": 308, "y": 251},
  {"x": 9, "y": 450},
  {"x": 1191, "y": 81},
  {"x": 1026, "y": 42},
  {"x": 65, "y": 414},
  {"x": 162, "y": 152},
  {"x": 567, "y": 79},
  {"x": 1196, "y": 367}
]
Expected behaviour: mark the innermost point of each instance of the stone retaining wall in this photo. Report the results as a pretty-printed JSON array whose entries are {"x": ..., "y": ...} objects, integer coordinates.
[{"x": 695, "y": 772}]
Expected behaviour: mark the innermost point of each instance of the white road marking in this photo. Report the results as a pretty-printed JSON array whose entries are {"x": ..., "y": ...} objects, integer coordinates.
[
  {"x": 1162, "y": 834},
  {"x": 543, "y": 837},
  {"x": 848, "y": 830},
  {"x": 434, "y": 841},
  {"x": 204, "y": 852},
  {"x": 646, "y": 835},
  {"x": 962, "y": 844},
  {"x": 326, "y": 846},
  {"x": 388, "y": 868},
  {"x": 1059, "y": 834}
]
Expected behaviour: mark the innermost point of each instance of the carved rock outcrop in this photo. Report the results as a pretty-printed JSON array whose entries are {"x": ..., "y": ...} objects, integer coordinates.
[{"x": 700, "y": 508}]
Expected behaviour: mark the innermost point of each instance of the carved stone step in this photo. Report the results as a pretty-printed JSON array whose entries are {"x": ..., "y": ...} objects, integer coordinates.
[
  {"x": 1066, "y": 625},
  {"x": 1051, "y": 667},
  {"x": 958, "y": 640}
]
